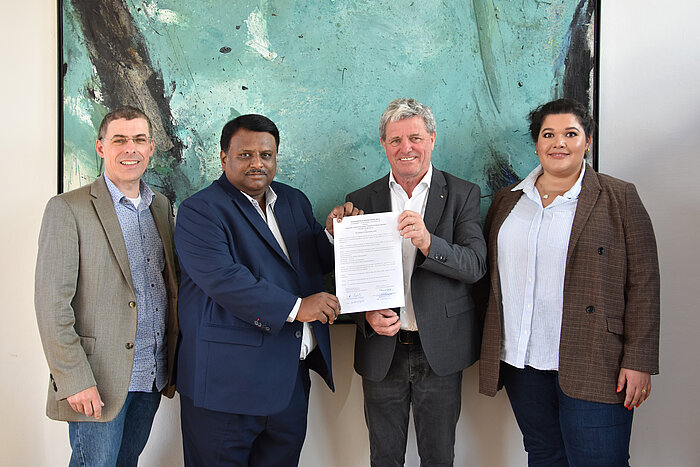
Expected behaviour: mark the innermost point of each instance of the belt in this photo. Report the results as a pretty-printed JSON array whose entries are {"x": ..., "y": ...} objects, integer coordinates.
[{"x": 408, "y": 337}]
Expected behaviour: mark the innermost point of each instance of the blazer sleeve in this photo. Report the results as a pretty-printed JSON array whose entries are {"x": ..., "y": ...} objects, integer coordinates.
[
  {"x": 464, "y": 258},
  {"x": 642, "y": 296},
  {"x": 482, "y": 288},
  {"x": 56, "y": 280},
  {"x": 205, "y": 253}
]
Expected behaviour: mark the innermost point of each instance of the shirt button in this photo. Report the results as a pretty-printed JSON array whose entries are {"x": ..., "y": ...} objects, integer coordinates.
[
  {"x": 590, "y": 309},
  {"x": 297, "y": 334},
  {"x": 129, "y": 345},
  {"x": 132, "y": 304}
]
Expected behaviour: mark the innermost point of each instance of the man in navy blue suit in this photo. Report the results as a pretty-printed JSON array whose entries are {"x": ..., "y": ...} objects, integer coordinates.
[{"x": 253, "y": 316}]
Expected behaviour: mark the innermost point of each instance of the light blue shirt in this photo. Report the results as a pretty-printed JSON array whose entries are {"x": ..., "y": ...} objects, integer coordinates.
[
  {"x": 147, "y": 262},
  {"x": 532, "y": 248}
]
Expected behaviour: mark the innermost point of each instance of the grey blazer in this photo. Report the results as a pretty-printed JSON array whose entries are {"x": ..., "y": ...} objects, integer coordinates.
[
  {"x": 85, "y": 300},
  {"x": 448, "y": 324}
]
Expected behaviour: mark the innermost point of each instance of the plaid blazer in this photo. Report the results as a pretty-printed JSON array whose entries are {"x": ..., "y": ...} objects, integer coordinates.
[{"x": 610, "y": 316}]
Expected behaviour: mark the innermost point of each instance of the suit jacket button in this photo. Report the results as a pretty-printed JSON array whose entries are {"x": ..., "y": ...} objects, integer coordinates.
[
  {"x": 601, "y": 250},
  {"x": 266, "y": 328},
  {"x": 590, "y": 309},
  {"x": 132, "y": 304},
  {"x": 129, "y": 345},
  {"x": 297, "y": 334}
]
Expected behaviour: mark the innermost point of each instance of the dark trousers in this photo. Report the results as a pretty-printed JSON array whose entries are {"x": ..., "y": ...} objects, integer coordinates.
[
  {"x": 211, "y": 438},
  {"x": 559, "y": 430},
  {"x": 436, "y": 402}
]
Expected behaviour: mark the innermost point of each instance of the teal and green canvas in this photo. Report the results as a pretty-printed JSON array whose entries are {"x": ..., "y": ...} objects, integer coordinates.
[{"x": 323, "y": 71}]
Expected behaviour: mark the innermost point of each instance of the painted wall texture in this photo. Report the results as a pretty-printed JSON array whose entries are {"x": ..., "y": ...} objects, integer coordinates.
[{"x": 323, "y": 70}]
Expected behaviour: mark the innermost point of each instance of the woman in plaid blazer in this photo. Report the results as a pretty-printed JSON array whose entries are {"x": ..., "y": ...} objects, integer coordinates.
[{"x": 571, "y": 328}]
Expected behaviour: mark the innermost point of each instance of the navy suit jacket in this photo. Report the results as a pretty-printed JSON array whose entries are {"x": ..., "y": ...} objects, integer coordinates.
[{"x": 236, "y": 352}]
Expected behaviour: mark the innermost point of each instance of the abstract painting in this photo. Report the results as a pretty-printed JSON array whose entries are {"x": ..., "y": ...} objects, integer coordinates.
[{"x": 323, "y": 71}]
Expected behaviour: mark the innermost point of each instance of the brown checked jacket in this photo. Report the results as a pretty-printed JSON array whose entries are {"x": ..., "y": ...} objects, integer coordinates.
[{"x": 610, "y": 316}]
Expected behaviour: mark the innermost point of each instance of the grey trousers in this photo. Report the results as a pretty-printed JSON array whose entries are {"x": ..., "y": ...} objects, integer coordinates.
[{"x": 436, "y": 402}]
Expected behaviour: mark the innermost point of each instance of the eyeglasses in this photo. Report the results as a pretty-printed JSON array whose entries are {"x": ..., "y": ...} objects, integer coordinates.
[{"x": 123, "y": 140}]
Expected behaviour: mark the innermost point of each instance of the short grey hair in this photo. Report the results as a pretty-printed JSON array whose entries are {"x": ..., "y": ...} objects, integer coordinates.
[{"x": 402, "y": 108}]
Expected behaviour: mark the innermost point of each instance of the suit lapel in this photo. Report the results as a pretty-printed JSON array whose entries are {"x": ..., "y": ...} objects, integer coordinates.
[
  {"x": 253, "y": 216},
  {"x": 285, "y": 222},
  {"x": 104, "y": 207},
  {"x": 509, "y": 201},
  {"x": 380, "y": 201},
  {"x": 590, "y": 190},
  {"x": 160, "y": 214},
  {"x": 437, "y": 196}
]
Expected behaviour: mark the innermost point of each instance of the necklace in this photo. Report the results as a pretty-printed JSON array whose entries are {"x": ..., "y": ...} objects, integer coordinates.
[{"x": 543, "y": 194}]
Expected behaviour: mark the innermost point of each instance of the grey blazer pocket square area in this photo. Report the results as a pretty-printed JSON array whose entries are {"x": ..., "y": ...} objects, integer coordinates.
[{"x": 459, "y": 306}]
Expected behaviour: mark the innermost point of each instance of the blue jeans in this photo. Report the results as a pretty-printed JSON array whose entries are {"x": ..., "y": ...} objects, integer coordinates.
[
  {"x": 559, "y": 430},
  {"x": 117, "y": 442},
  {"x": 436, "y": 402}
]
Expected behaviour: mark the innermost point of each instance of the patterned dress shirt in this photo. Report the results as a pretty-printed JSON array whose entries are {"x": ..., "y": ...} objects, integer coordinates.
[{"x": 147, "y": 262}]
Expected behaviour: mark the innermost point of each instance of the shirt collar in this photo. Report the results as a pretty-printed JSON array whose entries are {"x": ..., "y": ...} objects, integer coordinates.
[
  {"x": 270, "y": 198},
  {"x": 424, "y": 183},
  {"x": 528, "y": 183},
  {"x": 118, "y": 197}
]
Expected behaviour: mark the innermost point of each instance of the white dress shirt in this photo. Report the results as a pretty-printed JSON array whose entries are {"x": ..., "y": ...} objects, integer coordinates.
[
  {"x": 308, "y": 340},
  {"x": 532, "y": 249},
  {"x": 400, "y": 202}
]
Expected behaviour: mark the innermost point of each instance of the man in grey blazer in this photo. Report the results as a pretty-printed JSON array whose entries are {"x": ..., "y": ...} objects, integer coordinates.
[
  {"x": 105, "y": 298},
  {"x": 414, "y": 356}
]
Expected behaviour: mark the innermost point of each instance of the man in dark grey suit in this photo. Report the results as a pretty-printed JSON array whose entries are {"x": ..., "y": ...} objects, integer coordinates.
[{"x": 414, "y": 356}]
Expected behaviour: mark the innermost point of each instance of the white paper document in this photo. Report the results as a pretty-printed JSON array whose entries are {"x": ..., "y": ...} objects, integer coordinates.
[{"x": 368, "y": 270}]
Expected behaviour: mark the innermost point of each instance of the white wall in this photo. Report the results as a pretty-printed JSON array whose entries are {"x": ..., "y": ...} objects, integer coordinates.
[{"x": 649, "y": 132}]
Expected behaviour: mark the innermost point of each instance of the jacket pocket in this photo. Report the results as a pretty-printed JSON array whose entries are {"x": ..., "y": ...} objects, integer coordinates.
[
  {"x": 459, "y": 306},
  {"x": 231, "y": 335},
  {"x": 616, "y": 325}
]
